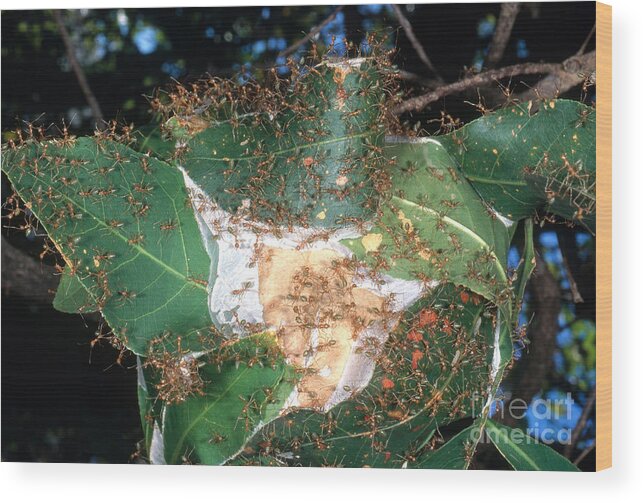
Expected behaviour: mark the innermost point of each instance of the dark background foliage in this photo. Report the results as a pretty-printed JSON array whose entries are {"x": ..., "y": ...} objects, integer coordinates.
[{"x": 63, "y": 398}]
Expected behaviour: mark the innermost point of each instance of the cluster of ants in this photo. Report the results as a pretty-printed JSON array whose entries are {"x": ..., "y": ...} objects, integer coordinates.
[
  {"x": 298, "y": 151},
  {"x": 283, "y": 138},
  {"x": 434, "y": 369}
]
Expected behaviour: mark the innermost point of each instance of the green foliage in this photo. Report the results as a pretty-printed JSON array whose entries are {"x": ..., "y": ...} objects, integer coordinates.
[
  {"x": 520, "y": 161},
  {"x": 527, "y": 262},
  {"x": 148, "y": 405},
  {"x": 72, "y": 296},
  {"x": 435, "y": 226},
  {"x": 434, "y": 369},
  {"x": 310, "y": 152},
  {"x": 525, "y": 453},
  {"x": 456, "y": 454},
  {"x": 151, "y": 140},
  {"x": 312, "y": 161},
  {"x": 521, "y": 451},
  {"x": 120, "y": 220},
  {"x": 239, "y": 396}
]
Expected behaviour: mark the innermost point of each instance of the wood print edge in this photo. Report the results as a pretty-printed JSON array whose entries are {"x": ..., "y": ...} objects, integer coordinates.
[{"x": 604, "y": 236}]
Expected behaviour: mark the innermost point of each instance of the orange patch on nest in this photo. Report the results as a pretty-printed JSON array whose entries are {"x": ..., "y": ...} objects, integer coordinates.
[
  {"x": 415, "y": 358},
  {"x": 414, "y": 336},
  {"x": 306, "y": 293},
  {"x": 428, "y": 318},
  {"x": 387, "y": 383}
]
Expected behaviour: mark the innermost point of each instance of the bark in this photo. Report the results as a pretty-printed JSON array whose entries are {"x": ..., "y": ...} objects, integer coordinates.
[{"x": 25, "y": 276}]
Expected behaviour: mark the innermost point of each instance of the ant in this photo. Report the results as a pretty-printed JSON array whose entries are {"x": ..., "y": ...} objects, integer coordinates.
[
  {"x": 240, "y": 292},
  {"x": 127, "y": 295},
  {"x": 169, "y": 225},
  {"x": 583, "y": 117}
]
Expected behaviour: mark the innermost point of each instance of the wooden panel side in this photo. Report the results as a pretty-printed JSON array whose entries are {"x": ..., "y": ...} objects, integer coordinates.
[{"x": 604, "y": 236}]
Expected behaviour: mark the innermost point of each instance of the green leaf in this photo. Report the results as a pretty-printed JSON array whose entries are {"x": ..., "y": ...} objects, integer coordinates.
[
  {"x": 147, "y": 404},
  {"x": 150, "y": 139},
  {"x": 463, "y": 446},
  {"x": 435, "y": 226},
  {"x": 71, "y": 296},
  {"x": 310, "y": 162},
  {"x": 143, "y": 401},
  {"x": 239, "y": 398},
  {"x": 456, "y": 454},
  {"x": 338, "y": 439},
  {"x": 524, "y": 452},
  {"x": 528, "y": 260},
  {"x": 526, "y": 267},
  {"x": 521, "y": 162},
  {"x": 434, "y": 369},
  {"x": 124, "y": 225}
]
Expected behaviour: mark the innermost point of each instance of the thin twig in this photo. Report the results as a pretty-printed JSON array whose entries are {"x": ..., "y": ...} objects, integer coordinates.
[
  {"x": 410, "y": 34},
  {"x": 310, "y": 35},
  {"x": 585, "y": 452},
  {"x": 580, "y": 425},
  {"x": 577, "y": 298},
  {"x": 78, "y": 70},
  {"x": 583, "y": 46},
  {"x": 417, "y": 103},
  {"x": 501, "y": 36}
]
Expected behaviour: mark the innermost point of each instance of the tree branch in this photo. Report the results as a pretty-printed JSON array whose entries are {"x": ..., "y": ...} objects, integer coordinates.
[
  {"x": 26, "y": 276},
  {"x": 574, "y": 71},
  {"x": 561, "y": 77},
  {"x": 78, "y": 70},
  {"x": 501, "y": 36},
  {"x": 310, "y": 35},
  {"x": 417, "y": 103},
  {"x": 410, "y": 34}
]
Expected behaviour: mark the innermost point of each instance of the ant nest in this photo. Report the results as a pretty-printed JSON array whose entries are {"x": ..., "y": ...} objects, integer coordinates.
[
  {"x": 278, "y": 264},
  {"x": 330, "y": 316}
]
